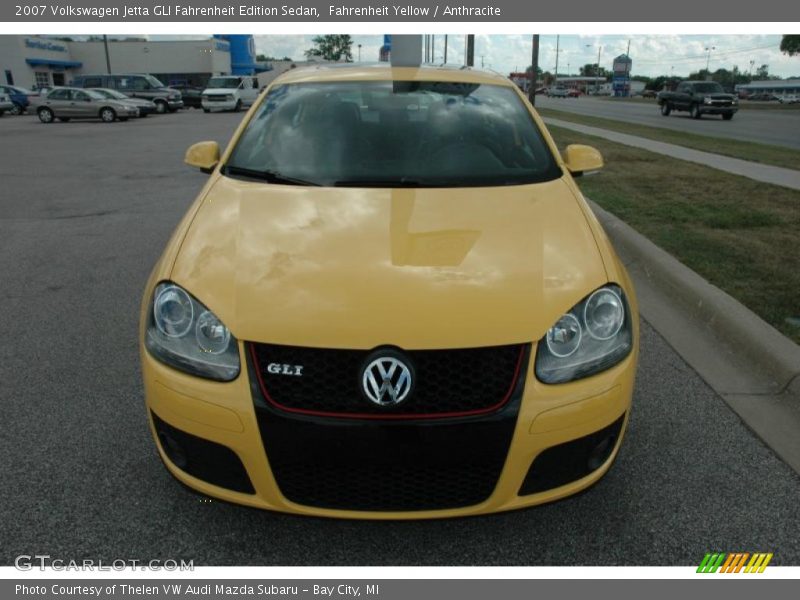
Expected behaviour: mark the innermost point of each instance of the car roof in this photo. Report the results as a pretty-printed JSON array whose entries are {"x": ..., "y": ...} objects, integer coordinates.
[{"x": 384, "y": 72}]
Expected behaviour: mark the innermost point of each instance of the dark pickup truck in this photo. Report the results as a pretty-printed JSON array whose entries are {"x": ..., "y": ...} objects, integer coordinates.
[{"x": 699, "y": 98}]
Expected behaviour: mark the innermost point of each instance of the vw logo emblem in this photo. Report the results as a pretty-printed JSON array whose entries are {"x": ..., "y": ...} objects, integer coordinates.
[{"x": 386, "y": 381}]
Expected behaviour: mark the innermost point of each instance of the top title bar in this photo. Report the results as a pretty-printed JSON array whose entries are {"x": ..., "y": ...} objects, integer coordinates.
[{"x": 311, "y": 11}]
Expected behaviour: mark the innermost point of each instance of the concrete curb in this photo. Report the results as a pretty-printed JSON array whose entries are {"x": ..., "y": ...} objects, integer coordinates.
[
  {"x": 751, "y": 365},
  {"x": 728, "y": 319}
]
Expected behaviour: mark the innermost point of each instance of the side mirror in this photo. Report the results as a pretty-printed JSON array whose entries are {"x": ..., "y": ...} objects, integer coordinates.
[
  {"x": 579, "y": 159},
  {"x": 203, "y": 155}
]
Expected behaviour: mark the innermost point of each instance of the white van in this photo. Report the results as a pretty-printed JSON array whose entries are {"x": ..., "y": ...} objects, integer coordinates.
[{"x": 229, "y": 92}]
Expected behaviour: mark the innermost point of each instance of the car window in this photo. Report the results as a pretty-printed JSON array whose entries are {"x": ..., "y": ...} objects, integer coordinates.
[
  {"x": 79, "y": 95},
  {"x": 140, "y": 84},
  {"x": 390, "y": 134},
  {"x": 58, "y": 95}
]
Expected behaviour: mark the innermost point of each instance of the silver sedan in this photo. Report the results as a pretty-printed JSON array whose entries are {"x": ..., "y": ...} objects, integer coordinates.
[
  {"x": 74, "y": 103},
  {"x": 5, "y": 104}
]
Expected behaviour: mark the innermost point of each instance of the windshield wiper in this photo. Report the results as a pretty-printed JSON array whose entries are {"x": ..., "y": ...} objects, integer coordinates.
[{"x": 265, "y": 175}]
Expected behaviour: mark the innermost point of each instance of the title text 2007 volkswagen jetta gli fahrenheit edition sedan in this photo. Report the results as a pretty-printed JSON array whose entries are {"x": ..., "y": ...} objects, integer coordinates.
[{"x": 390, "y": 300}]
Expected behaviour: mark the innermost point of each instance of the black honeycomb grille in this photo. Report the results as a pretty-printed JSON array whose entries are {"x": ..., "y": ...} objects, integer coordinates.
[{"x": 447, "y": 382}]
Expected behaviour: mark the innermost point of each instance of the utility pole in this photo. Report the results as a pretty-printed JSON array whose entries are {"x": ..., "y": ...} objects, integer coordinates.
[
  {"x": 708, "y": 60},
  {"x": 108, "y": 58},
  {"x": 534, "y": 70},
  {"x": 445, "y": 49},
  {"x": 597, "y": 70},
  {"x": 470, "y": 50},
  {"x": 433, "y": 48},
  {"x": 557, "y": 51},
  {"x": 628, "y": 51}
]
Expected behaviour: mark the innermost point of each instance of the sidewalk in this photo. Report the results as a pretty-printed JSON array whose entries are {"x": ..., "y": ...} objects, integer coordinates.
[{"x": 788, "y": 178}]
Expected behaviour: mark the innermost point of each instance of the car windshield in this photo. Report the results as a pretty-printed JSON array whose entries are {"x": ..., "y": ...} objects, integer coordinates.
[
  {"x": 155, "y": 83},
  {"x": 223, "y": 82},
  {"x": 111, "y": 94},
  {"x": 393, "y": 134},
  {"x": 708, "y": 88}
]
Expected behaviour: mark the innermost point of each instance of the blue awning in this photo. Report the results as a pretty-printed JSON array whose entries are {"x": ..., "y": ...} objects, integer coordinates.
[{"x": 57, "y": 64}]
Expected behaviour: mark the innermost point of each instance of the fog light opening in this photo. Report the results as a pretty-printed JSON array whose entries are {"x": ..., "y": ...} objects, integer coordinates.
[
  {"x": 601, "y": 452},
  {"x": 173, "y": 450}
]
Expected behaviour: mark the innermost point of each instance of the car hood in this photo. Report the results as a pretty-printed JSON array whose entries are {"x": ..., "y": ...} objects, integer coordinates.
[
  {"x": 415, "y": 268},
  {"x": 208, "y": 91}
]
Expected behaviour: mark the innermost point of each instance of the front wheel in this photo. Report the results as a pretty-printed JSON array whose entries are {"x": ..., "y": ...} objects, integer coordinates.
[
  {"x": 108, "y": 115},
  {"x": 666, "y": 109},
  {"x": 161, "y": 107},
  {"x": 238, "y": 106},
  {"x": 206, "y": 110},
  {"x": 694, "y": 112},
  {"x": 727, "y": 116},
  {"x": 46, "y": 115},
  {"x": 16, "y": 109}
]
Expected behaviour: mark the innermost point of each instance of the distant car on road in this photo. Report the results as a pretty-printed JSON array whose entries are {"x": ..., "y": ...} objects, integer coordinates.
[
  {"x": 573, "y": 93},
  {"x": 145, "y": 107},
  {"x": 558, "y": 92},
  {"x": 67, "y": 103},
  {"x": 762, "y": 97},
  {"x": 789, "y": 99},
  {"x": 20, "y": 98},
  {"x": 699, "y": 98},
  {"x": 5, "y": 103}
]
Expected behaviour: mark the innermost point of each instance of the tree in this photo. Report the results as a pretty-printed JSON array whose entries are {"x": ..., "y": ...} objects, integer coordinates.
[
  {"x": 790, "y": 44},
  {"x": 332, "y": 47},
  {"x": 591, "y": 70},
  {"x": 267, "y": 58},
  {"x": 762, "y": 72}
]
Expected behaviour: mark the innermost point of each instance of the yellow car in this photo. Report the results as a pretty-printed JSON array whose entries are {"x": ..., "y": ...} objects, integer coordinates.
[{"x": 389, "y": 301}]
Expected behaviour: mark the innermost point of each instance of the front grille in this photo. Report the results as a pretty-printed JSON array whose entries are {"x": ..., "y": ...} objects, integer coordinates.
[
  {"x": 446, "y": 382},
  {"x": 216, "y": 97}
]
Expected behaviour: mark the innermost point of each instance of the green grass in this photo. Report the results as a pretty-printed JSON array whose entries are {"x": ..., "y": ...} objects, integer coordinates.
[
  {"x": 741, "y": 235},
  {"x": 761, "y": 153}
]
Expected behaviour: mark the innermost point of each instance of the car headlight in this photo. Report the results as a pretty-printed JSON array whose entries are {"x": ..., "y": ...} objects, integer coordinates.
[
  {"x": 707, "y": 100},
  {"x": 592, "y": 337},
  {"x": 229, "y": 97},
  {"x": 184, "y": 334}
]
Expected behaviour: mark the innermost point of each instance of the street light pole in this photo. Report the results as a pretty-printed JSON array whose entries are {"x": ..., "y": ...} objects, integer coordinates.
[
  {"x": 359, "y": 53},
  {"x": 597, "y": 70},
  {"x": 708, "y": 58}
]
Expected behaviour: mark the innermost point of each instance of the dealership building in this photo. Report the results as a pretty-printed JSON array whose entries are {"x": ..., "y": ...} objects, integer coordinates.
[{"x": 37, "y": 61}]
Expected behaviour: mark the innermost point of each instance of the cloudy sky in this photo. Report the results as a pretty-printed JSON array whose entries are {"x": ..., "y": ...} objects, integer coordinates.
[{"x": 652, "y": 54}]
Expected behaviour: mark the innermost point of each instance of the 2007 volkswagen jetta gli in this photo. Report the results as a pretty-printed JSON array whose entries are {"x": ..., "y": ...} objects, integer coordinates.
[{"x": 390, "y": 300}]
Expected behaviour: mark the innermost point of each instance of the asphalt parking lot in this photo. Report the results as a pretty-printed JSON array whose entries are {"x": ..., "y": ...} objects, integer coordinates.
[{"x": 85, "y": 210}]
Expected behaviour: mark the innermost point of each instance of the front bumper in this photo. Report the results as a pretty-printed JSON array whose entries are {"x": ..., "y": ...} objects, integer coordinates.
[
  {"x": 710, "y": 109},
  {"x": 539, "y": 418},
  {"x": 218, "y": 104}
]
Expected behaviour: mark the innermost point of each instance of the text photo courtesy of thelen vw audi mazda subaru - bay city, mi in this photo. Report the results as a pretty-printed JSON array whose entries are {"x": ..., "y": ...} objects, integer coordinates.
[{"x": 343, "y": 325}]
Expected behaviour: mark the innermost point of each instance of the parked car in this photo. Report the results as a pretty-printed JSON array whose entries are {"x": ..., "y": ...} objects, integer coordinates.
[
  {"x": 20, "y": 98},
  {"x": 5, "y": 103},
  {"x": 69, "y": 103},
  {"x": 789, "y": 99},
  {"x": 558, "y": 92},
  {"x": 135, "y": 85},
  {"x": 699, "y": 98},
  {"x": 381, "y": 308},
  {"x": 229, "y": 93},
  {"x": 191, "y": 95},
  {"x": 145, "y": 107},
  {"x": 573, "y": 93}
]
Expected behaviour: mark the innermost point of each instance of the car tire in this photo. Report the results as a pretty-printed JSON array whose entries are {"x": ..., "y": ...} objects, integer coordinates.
[
  {"x": 694, "y": 112},
  {"x": 2, "y": 112},
  {"x": 666, "y": 109},
  {"x": 206, "y": 110},
  {"x": 108, "y": 115},
  {"x": 16, "y": 109},
  {"x": 64, "y": 119},
  {"x": 161, "y": 107},
  {"x": 46, "y": 115},
  {"x": 238, "y": 106},
  {"x": 727, "y": 117}
]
